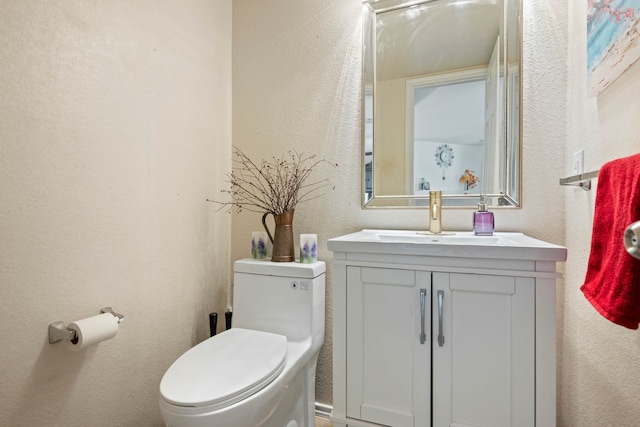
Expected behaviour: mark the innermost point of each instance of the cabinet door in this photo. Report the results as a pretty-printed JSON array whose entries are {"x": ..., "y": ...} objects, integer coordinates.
[
  {"x": 388, "y": 367},
  {"x": 483, "y": 366}
]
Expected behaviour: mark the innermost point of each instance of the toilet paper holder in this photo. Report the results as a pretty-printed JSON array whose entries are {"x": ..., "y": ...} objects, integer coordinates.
[{"x": 59, "y": 332}]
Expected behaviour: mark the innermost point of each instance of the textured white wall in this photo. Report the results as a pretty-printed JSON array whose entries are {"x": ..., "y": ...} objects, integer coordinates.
[
  {"x": 599, "y": 362},
  {"x": 296, "y": 74},
  {"x": 296, "y": 84},
  {"x": 116, "y": 126}
]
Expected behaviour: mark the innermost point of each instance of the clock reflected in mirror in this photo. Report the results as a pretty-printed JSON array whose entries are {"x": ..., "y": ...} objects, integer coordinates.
[{"x": 444, "y": 157}]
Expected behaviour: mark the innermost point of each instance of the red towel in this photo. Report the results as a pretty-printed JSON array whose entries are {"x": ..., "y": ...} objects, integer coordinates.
[{"x": 612, "y": 284}]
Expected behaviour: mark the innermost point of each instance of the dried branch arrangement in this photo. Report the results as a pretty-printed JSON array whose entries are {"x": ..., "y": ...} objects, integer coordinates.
[{"x": 275, "y": 186}]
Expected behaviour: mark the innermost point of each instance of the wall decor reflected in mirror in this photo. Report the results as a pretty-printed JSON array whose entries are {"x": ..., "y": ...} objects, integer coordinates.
[{"x": 441, "y": 102}]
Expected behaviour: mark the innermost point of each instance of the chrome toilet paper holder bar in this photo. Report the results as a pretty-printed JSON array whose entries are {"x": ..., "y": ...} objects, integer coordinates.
[
  {"x": 109, "y": 310},
  {"x": 59, "y": 332}
]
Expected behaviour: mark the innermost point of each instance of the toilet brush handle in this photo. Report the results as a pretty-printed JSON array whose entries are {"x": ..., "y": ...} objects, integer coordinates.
[
  {"x": 213, "y": 323},
  {"x": 227, "y": 319}
]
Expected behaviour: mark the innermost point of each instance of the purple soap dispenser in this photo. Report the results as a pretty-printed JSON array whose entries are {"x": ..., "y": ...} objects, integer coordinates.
[{"x": 483, "y": 222}]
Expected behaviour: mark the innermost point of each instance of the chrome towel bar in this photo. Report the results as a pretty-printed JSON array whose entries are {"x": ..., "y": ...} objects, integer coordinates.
[{"x": 582, "y": 180}]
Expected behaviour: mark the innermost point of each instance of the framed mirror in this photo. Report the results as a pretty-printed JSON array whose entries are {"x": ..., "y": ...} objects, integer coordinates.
[{"x": 441, "y": 102}]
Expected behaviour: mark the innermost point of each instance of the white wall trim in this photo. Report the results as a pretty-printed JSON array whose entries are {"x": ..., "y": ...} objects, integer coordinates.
[{"x": 323, "y": 410}]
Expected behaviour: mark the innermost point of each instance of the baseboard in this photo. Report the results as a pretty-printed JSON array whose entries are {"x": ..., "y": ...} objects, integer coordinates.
[{"x": 323, "y": 410}]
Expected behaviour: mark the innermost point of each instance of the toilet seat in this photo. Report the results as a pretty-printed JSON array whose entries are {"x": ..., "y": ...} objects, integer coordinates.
[{"x": 224, "y": 369}]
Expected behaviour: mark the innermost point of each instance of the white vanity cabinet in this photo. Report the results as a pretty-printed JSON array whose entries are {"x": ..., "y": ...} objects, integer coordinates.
[
  {"x": 487, "y": 311},
  {"x": 484, "y": 366},
  {"x": 387, "y": 366}
]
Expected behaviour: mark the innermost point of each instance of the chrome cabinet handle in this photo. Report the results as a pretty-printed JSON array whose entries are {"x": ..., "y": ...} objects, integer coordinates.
[
  {"x": 423, "y": 335},
  {"x": 440, "y": 334}
]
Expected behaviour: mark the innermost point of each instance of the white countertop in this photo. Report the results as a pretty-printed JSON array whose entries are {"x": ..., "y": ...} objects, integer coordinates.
[{"x": 502, "y": 245}]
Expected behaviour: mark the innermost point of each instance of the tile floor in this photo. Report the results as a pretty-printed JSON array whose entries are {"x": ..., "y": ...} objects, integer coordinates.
[{"x": 323, "y": 422}]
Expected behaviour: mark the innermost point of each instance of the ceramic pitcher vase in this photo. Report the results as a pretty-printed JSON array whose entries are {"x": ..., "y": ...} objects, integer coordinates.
[{"x": 282, "y": 238}]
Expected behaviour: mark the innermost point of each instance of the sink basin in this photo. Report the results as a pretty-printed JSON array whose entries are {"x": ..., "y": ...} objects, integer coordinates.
[
  {"x": 502, "y": 245},
  {"x": 455, "y": 239}
]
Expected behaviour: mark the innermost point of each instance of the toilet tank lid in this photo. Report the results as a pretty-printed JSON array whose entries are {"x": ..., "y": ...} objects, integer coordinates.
[{"x": 280, "y": 269}]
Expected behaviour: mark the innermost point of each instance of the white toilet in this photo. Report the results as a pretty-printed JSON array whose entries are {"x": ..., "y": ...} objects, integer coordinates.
[{"x": 262, "y": 371}]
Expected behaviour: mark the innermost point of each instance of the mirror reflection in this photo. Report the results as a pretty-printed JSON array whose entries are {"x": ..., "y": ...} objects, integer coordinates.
[{"x": 441, "y": 102}]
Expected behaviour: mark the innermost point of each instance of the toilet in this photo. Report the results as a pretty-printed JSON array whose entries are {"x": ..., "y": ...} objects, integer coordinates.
[{"x": 262, "y": 371}]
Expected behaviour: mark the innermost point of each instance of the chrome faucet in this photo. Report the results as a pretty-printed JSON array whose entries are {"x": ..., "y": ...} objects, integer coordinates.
[{"x": 435, "y": 211}]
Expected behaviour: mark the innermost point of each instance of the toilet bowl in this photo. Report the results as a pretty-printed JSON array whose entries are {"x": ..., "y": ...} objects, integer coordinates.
[{"x": 262, "y": 371}]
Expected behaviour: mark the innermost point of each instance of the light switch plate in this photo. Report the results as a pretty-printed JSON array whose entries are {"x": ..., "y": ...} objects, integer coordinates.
[{"x": 577, "y": 163}]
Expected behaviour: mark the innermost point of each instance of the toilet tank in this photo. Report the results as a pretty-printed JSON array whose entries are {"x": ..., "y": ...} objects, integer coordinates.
[{"x": 286, "y": 298}]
